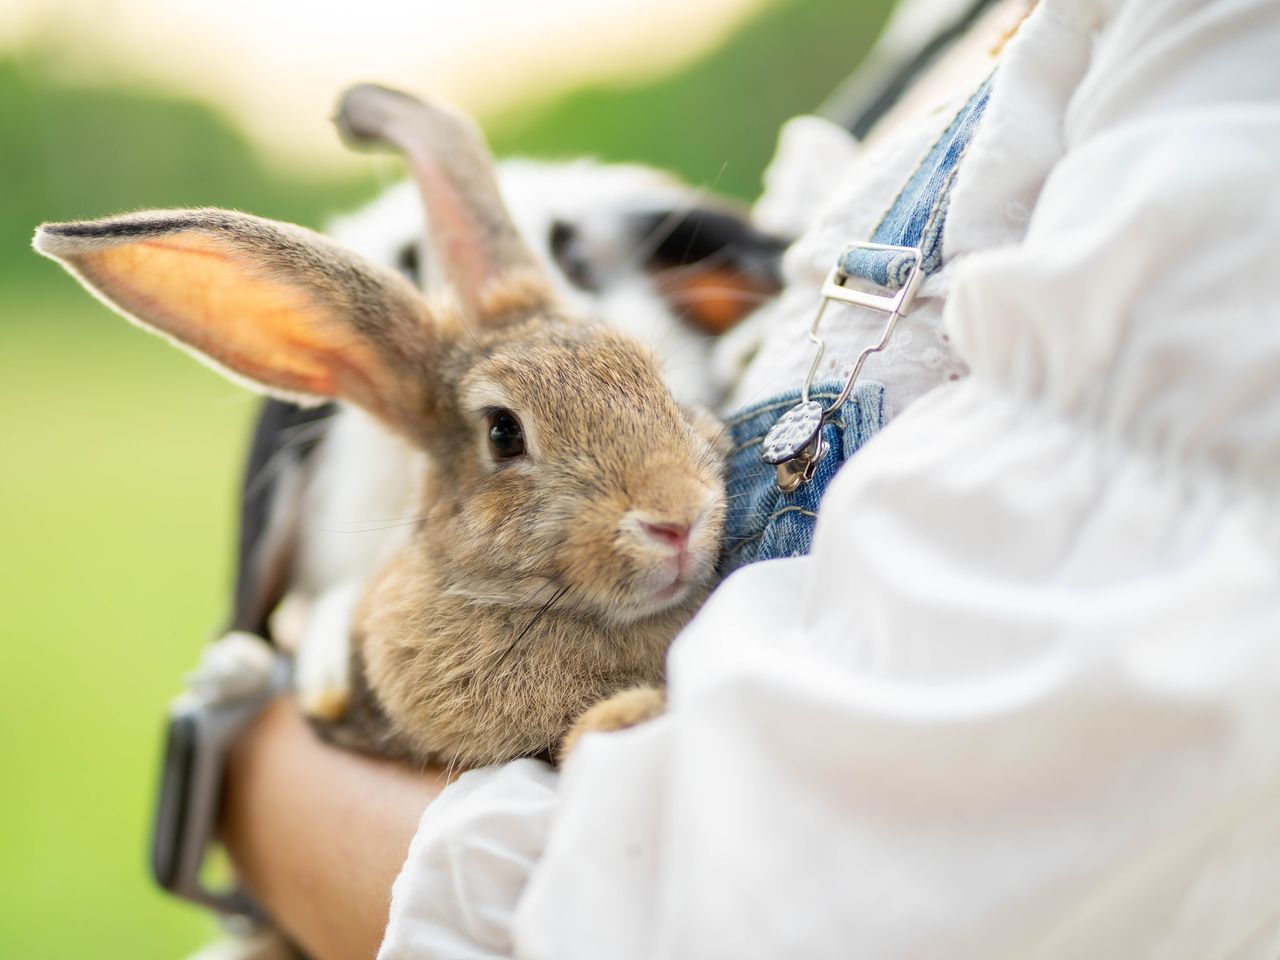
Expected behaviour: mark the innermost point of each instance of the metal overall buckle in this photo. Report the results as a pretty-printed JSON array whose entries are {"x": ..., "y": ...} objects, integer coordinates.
[{"x": 794, "y": 444}]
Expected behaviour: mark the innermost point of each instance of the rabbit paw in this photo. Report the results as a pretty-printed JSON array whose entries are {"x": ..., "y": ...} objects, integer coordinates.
[
  {"x": 235, "y": 667},
  {"x": 323, "y": 666},
  {"x": 327, "y": 702},
  {"x": 627, "y": 708}
]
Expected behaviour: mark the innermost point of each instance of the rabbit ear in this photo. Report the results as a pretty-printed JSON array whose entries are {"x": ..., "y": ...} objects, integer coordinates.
[
  {"x": 491, "y": 269},
  {"x": 276, "y": 305},
  {"x": 710, "y": 264}
]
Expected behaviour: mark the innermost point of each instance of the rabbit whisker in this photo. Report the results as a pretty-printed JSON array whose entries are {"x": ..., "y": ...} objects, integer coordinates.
[
  {"x": 293, "y": 436},
  {"x": 714, "y": 260},
  {"x": 369, "y": 526},
  {"x": 667, "y": 226},
  {"x": 452, "y": 765},
  {"x": 542, "y": 612},
  {"x": 449, "y": 302}
]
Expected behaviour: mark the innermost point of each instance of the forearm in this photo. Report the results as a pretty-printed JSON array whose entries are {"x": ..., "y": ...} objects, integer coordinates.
[{"x": 318, "y": 834}]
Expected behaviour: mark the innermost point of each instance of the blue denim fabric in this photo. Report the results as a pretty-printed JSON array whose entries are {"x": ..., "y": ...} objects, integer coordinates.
[
  {"x": 762, "y": 521},
  {"x": 919, "y": 212}
]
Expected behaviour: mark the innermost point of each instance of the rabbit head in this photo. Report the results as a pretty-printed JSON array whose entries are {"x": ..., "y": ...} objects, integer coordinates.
[{"x": 557, "y": 460}]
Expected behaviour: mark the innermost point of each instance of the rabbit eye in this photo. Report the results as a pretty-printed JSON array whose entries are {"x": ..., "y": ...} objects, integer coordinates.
[{"x": 506, "y": 436}]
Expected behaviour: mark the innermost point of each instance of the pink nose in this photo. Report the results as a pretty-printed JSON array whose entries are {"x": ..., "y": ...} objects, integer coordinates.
[{"x": 673, "y": 535}]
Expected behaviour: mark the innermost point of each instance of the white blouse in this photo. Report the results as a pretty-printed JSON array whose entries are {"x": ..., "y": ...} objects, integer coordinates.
[{"x": 1023, "y": 698}]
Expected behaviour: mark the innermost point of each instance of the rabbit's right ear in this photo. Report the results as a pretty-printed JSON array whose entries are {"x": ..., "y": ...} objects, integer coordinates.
[{"x": 289, "y": 311}]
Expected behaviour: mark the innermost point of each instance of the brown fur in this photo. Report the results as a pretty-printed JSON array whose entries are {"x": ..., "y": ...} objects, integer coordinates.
[{"x": 528, "y": 591}]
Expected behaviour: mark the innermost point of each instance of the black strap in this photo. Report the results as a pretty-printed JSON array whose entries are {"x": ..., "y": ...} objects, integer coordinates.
[
  {"x": 878, "y": 84},
  {"x": 282, "y": 443}
]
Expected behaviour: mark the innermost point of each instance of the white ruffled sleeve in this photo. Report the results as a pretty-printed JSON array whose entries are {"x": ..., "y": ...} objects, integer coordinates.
[
  {"x": 1023, "y": 697},
  {"x": 468, "y": 864}
]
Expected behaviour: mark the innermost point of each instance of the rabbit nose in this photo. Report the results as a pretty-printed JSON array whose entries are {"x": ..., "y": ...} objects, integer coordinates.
[{"x": 673, "y": 535}]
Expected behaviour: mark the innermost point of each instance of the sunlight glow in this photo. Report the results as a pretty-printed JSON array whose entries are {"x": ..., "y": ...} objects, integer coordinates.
[{"x": 275, "y": 66}]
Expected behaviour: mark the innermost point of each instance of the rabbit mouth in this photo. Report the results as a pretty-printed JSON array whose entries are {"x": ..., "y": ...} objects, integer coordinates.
[
  {"x": 683, "y": 569},
  {"x": 677, "y": 590},
  {"x": 655, "y": 603},
  {"x": 672, "y": 555},
  {"x": 674, "y": 591},
  {"x": 671, "y": 583}
]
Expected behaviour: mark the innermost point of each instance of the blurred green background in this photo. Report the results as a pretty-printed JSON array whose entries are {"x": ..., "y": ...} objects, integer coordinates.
[{"x": 120, "y": 455}]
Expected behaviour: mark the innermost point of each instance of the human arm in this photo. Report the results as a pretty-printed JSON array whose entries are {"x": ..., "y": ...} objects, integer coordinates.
[{"x": 318, "y": 834}]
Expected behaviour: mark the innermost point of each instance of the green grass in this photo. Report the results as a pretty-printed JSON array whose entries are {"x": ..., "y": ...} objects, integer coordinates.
[{"x": 120, "y": 455}]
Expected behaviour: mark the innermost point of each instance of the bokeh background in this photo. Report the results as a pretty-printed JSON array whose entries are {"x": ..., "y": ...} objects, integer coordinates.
[{"x": 119, "y": 456}]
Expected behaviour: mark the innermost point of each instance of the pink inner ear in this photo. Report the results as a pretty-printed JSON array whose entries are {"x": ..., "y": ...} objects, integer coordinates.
[
  {"x": 470, "y": 227},
  {"x": 455, "y": 232},
  {"x": 203, "y": 295}
]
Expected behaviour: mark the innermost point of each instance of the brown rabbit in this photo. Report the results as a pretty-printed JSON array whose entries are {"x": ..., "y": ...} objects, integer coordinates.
[{"x": 571, "y": 511}]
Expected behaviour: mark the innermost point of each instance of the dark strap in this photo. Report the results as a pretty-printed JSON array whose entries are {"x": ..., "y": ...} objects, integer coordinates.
[{"x": 877, "y": 85}]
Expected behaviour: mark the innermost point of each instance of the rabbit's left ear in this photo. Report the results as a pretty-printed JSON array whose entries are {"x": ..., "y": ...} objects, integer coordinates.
[
  {"x": 712, "y": 266},
  {"x": 286, "y": 310}
]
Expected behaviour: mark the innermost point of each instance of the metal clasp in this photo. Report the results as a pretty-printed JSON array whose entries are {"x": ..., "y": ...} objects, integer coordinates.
[{"x": 795, "y": 457}]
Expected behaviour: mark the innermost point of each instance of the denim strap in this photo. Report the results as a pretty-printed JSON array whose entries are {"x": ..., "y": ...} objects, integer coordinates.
[
  {"x": 905, "y": 248},
  {"x": 919, "y": 213},
  {"x": 787, "y": 449}
]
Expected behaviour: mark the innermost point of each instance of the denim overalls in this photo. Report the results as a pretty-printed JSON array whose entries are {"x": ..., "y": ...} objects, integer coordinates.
[{"x": 763, "y": 522}]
